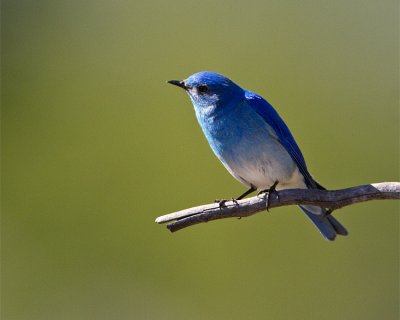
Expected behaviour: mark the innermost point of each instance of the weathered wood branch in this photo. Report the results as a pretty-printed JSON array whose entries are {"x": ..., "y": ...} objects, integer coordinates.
[{"x": 333, "y": 199}]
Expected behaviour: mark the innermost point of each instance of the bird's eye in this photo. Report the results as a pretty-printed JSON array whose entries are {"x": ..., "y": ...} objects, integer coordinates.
[{"x": 202, "y": 88}]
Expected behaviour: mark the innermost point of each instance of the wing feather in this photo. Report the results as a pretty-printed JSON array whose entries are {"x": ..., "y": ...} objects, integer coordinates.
[{"x": 285, "y": 137}]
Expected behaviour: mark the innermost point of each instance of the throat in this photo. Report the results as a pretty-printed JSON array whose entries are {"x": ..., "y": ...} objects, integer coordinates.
[{"x": 208, "y": 111}]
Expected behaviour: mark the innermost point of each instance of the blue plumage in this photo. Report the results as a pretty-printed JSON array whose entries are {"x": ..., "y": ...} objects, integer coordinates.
[
  {"x": 269, "y": 114},
  {"x": 252, "y": 141}
]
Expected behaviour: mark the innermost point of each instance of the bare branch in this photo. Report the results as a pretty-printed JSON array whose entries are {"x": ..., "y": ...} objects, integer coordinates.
[{"x": 333, "y": 199}]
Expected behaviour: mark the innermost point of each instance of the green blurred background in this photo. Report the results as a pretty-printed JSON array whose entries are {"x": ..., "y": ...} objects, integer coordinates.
[{"x": 95, "y": 146}]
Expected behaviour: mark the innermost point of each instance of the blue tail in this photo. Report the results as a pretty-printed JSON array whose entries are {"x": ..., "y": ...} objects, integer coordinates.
[{"x": 327, "y": 225}]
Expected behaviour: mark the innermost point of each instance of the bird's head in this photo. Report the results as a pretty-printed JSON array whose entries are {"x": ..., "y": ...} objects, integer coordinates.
[{"x": 209, "y": 89}]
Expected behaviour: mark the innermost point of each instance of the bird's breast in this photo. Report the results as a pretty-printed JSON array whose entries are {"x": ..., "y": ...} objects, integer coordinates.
[{"x": 249, "y": 148}]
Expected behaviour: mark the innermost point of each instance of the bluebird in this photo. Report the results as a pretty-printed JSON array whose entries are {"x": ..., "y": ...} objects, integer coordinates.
[{"x": 253, "y": 142}]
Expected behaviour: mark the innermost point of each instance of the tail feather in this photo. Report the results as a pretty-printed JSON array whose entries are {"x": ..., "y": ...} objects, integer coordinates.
[
  {"x": 337, "y": 225},
  {"x": 327, "y": 225}
]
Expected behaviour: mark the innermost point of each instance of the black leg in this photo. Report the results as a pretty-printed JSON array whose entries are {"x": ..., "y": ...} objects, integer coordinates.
[
  {"x": 252, "y": 189},
  {"x": 269, "y": 191}
]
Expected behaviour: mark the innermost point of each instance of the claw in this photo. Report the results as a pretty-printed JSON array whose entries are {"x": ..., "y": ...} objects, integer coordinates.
[
  {"x": 221, "y": 203},
  {"x": 268, "y": 192},
  {"x": 234, "y": 201}
]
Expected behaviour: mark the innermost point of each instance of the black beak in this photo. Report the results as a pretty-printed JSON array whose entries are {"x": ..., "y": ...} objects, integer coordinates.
[{"x": 178, "y": 83}]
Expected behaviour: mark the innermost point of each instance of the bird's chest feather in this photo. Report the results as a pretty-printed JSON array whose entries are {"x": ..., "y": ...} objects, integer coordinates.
[
  {"x": 234, "y": 132},
  {"x": 247, "y": 146}
]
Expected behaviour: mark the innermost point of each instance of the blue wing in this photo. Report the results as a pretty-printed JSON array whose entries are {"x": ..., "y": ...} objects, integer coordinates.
[{"x": 269, "y": 114}]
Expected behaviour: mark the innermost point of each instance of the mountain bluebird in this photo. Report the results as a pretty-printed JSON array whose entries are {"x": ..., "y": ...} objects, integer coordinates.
[{"x": 253, "y": 142}]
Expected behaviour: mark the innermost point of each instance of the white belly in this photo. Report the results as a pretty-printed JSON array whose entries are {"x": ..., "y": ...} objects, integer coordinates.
[
  {"x": 263, "y": 169},
  {"x": 263, "y": 177}
]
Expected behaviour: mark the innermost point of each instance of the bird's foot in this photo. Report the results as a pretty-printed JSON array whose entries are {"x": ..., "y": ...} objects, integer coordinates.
[
  {"x": 270, "y": 191},
  {"x": 222, "y": 202}
]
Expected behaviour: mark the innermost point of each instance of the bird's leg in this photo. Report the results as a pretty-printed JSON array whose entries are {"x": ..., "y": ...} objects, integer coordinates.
[
  {"x": 269, "y": 191},
  {"x": 222, "y": 202},
  {"x": 252, "y": 189}
]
